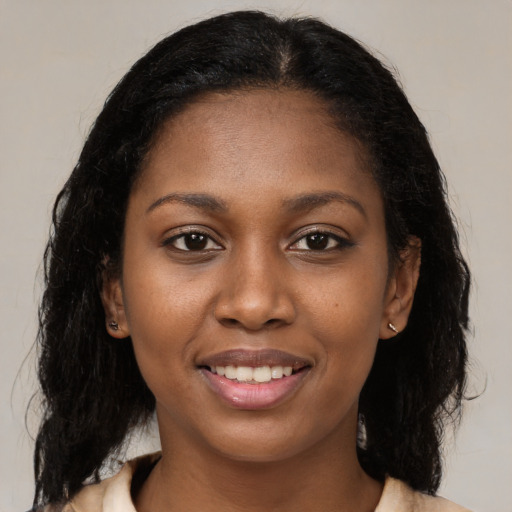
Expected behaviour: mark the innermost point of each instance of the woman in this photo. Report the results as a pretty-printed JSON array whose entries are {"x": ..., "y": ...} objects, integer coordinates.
[{"x": 255, "y": 244}]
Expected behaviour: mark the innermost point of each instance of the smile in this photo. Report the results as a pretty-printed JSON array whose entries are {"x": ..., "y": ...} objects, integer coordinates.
[
  {"x": 253, "y": 380},
  {"x": 250, "y": 375}
]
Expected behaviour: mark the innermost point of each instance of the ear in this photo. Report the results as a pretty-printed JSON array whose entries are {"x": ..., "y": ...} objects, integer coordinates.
[
  {"x": 401, "y": 288},
  {"x": 113, "y": 304}
]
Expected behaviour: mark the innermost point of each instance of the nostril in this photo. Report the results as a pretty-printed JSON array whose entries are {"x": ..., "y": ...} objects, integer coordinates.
[
  {"x": 230, "y": 322},
  {"x": 233, "y": 322},
  {"x": 254, "y": 311}
]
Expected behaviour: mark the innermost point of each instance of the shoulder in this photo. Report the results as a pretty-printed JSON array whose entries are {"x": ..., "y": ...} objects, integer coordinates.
[
  {"x": 110, "y": 495},
  {"x": 399, "y": 497}
]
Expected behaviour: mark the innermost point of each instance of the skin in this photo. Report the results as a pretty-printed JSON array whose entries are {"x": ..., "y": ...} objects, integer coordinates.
[{"x": 258, "y": 284}]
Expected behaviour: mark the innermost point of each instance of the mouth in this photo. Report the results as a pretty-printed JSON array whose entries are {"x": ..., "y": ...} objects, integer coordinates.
[
  {"x": 258, "y": 375},
  {"x": 254, "y": 379}
]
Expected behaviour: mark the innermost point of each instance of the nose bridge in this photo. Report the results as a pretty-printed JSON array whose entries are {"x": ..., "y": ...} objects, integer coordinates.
[{"x": 254, "y": 294}]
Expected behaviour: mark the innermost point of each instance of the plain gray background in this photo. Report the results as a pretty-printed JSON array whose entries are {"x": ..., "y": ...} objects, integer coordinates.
[{"x": 60, "y": 58}]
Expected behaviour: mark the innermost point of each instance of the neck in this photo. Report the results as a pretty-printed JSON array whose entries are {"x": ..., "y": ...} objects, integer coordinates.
[{"x": 326, "y": 477}]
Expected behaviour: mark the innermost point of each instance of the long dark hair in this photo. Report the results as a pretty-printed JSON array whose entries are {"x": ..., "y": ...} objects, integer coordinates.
[{"x": 93, "y": 391}]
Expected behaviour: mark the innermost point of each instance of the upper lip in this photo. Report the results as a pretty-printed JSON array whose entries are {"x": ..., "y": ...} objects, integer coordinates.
[{"x": 255, "y": 358}]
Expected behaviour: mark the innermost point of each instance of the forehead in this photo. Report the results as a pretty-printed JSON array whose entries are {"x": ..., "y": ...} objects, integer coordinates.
[
  {"x": 254, "y": 136},
  {"x": 279, "y": 106}
]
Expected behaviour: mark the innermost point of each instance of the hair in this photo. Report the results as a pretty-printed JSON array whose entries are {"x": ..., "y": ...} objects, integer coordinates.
[{"x": 94, "y": 394}]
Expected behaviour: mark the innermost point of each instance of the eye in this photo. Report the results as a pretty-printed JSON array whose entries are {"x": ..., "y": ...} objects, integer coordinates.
[
  {"x": 320, "y": 241},
  {"x": 192, "y": 241}
]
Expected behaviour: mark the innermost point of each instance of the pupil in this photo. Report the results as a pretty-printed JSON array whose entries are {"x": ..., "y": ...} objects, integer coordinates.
[
  {"x": 195, "y": 241},
  {"x": 318, "y": 241}
]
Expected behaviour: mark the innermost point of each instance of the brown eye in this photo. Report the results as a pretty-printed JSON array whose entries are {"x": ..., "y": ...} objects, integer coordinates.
[
  {"x": 193, "y": 241},
  {"x": 317, "y": 241},
  {"x": 320, "y": 241}
]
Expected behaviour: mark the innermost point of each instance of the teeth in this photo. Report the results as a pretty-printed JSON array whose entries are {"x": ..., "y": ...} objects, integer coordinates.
[
  {"x": 230, "y": 372},
  {"x": 262, "y": 374},
  {"x": 259, "y": 374},
  {"x": 277, "y": 372},
  {"x": 244, "y": 373}
]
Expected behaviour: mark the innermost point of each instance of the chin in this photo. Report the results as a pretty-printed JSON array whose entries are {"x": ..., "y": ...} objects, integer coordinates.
[{"x": 263, "y": 444}]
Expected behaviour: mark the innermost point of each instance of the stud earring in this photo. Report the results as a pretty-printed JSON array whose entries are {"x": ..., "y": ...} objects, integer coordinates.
[
  {"x": 113, "y": 325},
  {"x": 393, "y": 328}
]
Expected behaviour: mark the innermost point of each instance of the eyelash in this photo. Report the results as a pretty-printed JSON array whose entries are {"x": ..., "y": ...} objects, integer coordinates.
[
  {"x": 171, "y": 241},
  {"x": 332, "y": 242}
]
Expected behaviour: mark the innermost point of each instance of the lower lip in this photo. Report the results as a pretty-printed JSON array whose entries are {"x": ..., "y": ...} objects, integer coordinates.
[{"x": 254, "y": 396}]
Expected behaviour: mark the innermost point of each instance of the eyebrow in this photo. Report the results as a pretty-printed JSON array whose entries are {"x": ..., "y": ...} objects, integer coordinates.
[
  {"x": 296, "y": 204},
  {"x": 201, "y": 201},
  {"x": 315, "y": 200}
]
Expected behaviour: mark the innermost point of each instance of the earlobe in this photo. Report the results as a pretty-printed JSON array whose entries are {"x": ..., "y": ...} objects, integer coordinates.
[
  {"x": 401, "y": 290},
  {"x": 113, "y": 305}
]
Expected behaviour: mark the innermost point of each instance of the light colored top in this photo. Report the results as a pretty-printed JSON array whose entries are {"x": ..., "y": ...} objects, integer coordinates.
[{"x": 113, "y": 495}]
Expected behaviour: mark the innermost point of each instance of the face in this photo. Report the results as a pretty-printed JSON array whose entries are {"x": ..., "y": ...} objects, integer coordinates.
[{"x": 256, "y": 282}]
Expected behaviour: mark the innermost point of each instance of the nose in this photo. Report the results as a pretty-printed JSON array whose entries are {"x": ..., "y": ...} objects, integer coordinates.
[{"x": 254, "y": 294}]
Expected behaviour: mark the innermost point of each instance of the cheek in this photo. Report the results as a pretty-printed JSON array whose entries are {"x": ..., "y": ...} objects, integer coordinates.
[
  {"x": 159, "y": 301},
  {"x": 348, "y": 305},
  {"x": 160, "y": 319},
  {"x": 346, "y": 317},
  {"x": 162, "y": 323}
]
